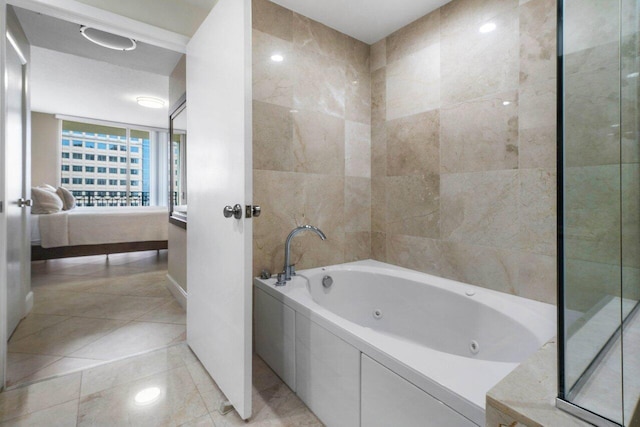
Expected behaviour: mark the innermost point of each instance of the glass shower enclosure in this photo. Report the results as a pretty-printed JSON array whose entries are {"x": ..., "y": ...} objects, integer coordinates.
[{"x": 599, "y": 211}]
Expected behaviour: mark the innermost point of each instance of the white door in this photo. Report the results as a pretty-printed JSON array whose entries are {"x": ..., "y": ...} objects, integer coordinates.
[
  {"x": 219, "y": 174},
  {"x": 18, "y": 260}
]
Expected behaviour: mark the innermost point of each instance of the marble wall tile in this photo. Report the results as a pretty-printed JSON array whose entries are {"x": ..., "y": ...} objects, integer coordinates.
[
  {"x": 630, "y": 211},
  {"x": 587, "y": 283},
  {"x": 412, "y": 204},
  {"x": 272, "y": 137},
  {"x": 318, "y": 143},
  {"x": 480, "y": 208},
  {"x": 358, "y": 56},
  {"x": 461, "y": 15},
  {"x": 592, "y": 23},
  {"x": 311, "y": 36},
  {"x": 413, "y": 144},
  {"x": 281, "y": 197},
  {"x": 477, "y": 64},
  {"x": 271, "y": 18},
  {"x": 413, "y": 37},
  {"x": 379, "y": 150},
  {"x": 379, "y": 204},
  {"x": 592, "y": 212},
  {"x": 358, "y": 96},
  {"x": 413, "y": 83},
  {"x": 538, "y": 41},
  {"x": 357, "y": 204},
  {"x": 537, "y": 105},
  {"x": 537, "y": 147},
  {"x": 357, "y": 161},
  {"x": 537, "y": 211},
  {"x": 319, "y": 84},
  {"x": 537, "y": 277},
  {"x": 378, "y": 55},
  {"x": 592, "y": 58},
  {"x": 272, "y": 81},
  {"x": 480, "y": 135},
  {"x": 357, "y": 246},
  {"x": 378, "y": 97},
  {"x": 379, "y": 246}
]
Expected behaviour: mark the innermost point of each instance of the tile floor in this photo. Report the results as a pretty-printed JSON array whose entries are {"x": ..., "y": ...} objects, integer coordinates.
[
  {"x": 89, "y": 310},
  {"x": 106, "y": 396}
]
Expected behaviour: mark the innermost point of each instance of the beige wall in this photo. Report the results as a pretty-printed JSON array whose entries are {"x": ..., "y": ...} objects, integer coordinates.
[
  {"x": 45, "y": 153},
  {"x": 311, "y": 135},
  {"x": 177, "y": 263},
  {"x": 460, "y": 139},
  {"x": 463, "y": 146}
]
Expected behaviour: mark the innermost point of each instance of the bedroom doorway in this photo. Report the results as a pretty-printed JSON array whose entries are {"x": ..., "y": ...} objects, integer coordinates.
[{"x": 92, "y": 138}]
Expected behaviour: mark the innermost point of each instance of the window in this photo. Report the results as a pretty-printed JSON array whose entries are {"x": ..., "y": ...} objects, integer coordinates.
[
  {"x": 65, "y": 180},
  {"x": 88, "y": 143}
]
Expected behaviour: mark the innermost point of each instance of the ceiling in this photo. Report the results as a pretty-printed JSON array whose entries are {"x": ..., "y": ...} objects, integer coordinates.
[
  {"x": 63, "y": 36},
  {"x": 365, "y": 20}
]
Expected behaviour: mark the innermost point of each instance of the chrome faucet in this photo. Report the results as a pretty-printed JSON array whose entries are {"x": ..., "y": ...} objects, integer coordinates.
[{"x": 289, "y": 269}]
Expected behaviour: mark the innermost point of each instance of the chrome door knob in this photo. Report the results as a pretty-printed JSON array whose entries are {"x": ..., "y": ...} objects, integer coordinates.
[
  {"x": 235, "y": 211},
  {"x": 24, "y": 202}
]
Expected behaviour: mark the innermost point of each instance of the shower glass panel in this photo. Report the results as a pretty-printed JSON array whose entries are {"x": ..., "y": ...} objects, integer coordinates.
[{"x": 599, "y": 208}]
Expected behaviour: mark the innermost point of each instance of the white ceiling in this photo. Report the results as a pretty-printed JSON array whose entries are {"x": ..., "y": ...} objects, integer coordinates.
[
  {"x": 63, "y": 36},
  {"x": 365, "y": 20}
]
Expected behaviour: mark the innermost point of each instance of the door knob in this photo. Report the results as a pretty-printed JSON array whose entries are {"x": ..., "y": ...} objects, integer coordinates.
[
  {"x": 24, "y": 202},
  {"x": 252, "y": 211},
  {"x": 235, "y": 211}
]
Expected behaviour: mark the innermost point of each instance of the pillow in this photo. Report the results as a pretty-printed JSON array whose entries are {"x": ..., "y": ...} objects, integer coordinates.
[
  {"x": 47, "y": 187},
  {"x": 68, "y": 200},
  {"x": 45, "y": 202}
]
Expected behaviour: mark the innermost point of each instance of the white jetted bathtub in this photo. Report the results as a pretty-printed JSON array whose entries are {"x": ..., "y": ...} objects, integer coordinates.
[{"x": 386, "y": 346}]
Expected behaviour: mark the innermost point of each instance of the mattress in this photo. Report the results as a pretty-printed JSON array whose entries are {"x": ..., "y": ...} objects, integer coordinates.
[{"x": 101, "y": 225}]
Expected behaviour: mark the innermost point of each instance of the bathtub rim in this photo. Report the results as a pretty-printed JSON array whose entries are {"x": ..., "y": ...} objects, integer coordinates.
[{"x": 288, "y": 295}]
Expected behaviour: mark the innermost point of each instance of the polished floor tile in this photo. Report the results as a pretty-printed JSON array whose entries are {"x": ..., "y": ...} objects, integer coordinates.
[
  {"x": 178, "y": 392},
  {"x": 89, "y": 310}
]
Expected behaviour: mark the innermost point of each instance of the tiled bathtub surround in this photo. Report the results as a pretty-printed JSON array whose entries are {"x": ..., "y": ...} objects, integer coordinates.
[
  {"x": 463, "y": 146},
  {"x": 311, "y": 132},
  {"x": 433, "y": 149}
]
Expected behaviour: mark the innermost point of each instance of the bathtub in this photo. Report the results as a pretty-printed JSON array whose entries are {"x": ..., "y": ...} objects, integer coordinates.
[{"x": 383, "y": 345}]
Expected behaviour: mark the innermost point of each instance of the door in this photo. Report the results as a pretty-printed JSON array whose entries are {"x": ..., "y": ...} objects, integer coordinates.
[
  {"x": 16, "y": 149},
  {"x": 219, "y": 174}
]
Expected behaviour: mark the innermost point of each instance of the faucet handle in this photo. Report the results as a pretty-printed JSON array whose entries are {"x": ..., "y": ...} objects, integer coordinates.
[
  {"x": 292, "y": 270},
  {"x": 281, "y": 279}
]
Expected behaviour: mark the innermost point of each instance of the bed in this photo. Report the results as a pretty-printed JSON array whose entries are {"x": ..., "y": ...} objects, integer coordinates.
[{"x": 98, "y": 230}]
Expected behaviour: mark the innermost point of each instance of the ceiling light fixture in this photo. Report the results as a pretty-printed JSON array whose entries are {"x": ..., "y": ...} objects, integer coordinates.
[
  {"x": 488, "y": 27},
  {"x": 150, "y": 102},
  {"x": 277, "y": 57},
  {"x": 108, "y": 40}
]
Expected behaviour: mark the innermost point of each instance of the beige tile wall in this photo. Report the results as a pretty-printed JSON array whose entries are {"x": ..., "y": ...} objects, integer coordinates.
[
  {"x": 433, "y": 149},
  {"x": 463, "y": 146},
  {"x": 312, "y": 139}
]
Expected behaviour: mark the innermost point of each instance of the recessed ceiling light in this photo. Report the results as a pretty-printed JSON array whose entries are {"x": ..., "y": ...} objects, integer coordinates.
[
  {"x": 147, "y": 396},
  {"x": 277, "y": 57},
  {"x": 488, "y": 27},
  {"x": 150, "y": 102},
  {"x": 108, "y": 40}
]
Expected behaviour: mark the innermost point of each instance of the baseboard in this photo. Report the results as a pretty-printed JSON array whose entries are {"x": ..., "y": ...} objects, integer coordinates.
[
  {"x": 28, "y": 303},
  {"x": 177, "y": 291}
]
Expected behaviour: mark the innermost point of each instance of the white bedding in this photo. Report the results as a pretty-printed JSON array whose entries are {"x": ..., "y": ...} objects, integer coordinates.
[{"x": 99, "y": 225}]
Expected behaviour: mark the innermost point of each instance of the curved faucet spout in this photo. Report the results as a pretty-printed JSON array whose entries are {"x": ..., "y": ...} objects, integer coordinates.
[{"x": 289, "y": 269}]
